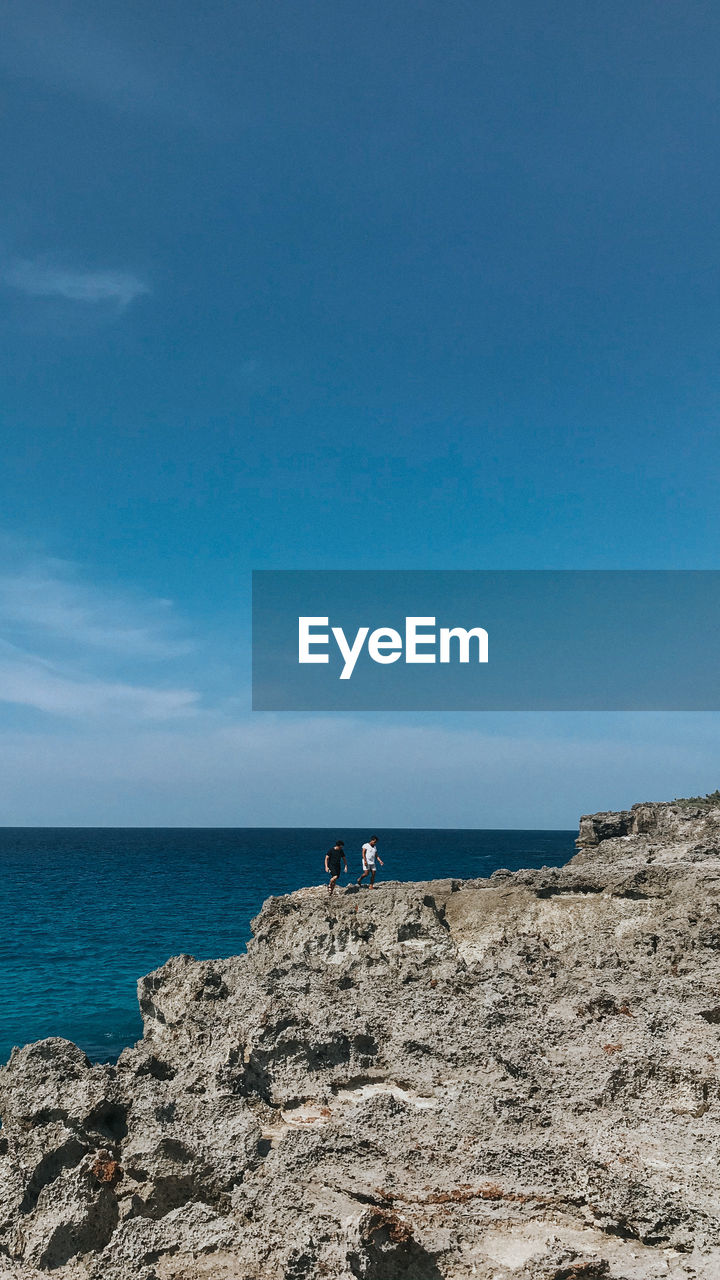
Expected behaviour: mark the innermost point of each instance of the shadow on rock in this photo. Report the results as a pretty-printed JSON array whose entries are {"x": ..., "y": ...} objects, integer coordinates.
[{"x": 389, "y": 1252}]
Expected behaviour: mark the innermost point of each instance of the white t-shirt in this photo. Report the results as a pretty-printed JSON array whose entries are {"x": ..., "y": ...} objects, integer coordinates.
[{"x": 369, "y": 852}]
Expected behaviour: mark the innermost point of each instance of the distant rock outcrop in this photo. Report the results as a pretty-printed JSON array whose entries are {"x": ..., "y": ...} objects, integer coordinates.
[{"x": 505, "y": 1079}]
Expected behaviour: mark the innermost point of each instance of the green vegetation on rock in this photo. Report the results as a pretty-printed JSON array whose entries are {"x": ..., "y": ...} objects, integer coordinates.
[{"x": 710, "y": 801}]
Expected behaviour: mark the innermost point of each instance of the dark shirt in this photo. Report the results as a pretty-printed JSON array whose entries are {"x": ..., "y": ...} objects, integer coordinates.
[{"x": 334, "y": 858}]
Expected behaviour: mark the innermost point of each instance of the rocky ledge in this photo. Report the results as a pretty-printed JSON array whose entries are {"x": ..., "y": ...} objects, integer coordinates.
[{"x": 505, "y": 1079}]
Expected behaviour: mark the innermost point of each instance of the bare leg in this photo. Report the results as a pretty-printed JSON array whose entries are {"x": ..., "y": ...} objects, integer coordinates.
[
  {"x": 372, "y": 877},
  {"x": 333, "y": 882},
  {"x": 362, "y": 877}
]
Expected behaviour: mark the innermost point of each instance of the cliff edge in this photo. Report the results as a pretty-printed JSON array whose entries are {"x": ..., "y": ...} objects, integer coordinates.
[{"x": 503, "y": 1079}]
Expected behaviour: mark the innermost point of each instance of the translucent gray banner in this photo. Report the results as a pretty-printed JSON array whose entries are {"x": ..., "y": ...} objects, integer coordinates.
[{"x": 457, "y": 640}]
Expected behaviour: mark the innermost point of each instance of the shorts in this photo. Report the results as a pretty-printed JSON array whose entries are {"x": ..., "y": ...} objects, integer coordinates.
[{"x": 334, "y": 868}]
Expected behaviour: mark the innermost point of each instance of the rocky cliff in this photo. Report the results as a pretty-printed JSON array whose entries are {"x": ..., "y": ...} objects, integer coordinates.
[{"x": 506, "y": 1079}]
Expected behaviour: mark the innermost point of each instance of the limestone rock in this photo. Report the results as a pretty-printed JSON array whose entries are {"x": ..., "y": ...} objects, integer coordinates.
[{"x": 508, "y": 1079}]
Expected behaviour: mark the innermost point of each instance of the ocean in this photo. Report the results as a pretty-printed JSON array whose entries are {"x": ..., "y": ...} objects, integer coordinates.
[{"x": 85, "y": 912}]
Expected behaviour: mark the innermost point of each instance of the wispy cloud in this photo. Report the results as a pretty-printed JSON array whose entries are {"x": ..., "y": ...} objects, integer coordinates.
[
  {"x": 47, "y": 599},
  {"x": 29, "y": 681},
  {"x": 348, "y": 772},
  {"x": 89, "y": 54},
  {"x": 38, "y": 279},
  {"x": 75, "y": 649}
]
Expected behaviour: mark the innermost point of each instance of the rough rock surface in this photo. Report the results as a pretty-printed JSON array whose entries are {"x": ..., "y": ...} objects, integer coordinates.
[{"x": 508, "y": 1079}]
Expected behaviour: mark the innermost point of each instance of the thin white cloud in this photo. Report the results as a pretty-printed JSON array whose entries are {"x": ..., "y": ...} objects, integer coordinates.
[
  {"x": 344, "y": 771},
  {"x": 31, "y": 682},
  {"x": 89, "y": 54},
  {"x": 47, "y": 599},
  {"x": 39, "y": 279},
  {"x": 73, "y": 649}
]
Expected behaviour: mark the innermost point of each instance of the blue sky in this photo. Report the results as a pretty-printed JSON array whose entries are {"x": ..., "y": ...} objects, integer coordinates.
[{"x": 341, "y": 285}]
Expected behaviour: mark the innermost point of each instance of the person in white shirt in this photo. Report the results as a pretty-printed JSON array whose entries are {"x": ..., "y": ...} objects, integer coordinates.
[{"x": 370, "y": 857}]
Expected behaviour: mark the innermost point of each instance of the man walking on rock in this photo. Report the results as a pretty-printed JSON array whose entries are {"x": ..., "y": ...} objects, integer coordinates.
[
  {"x": 333, "y": 860},
  {"x": 370, "y": 856}
]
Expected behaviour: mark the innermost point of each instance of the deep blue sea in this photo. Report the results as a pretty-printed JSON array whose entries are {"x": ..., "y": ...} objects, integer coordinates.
[{"x": 85, "y": 912}]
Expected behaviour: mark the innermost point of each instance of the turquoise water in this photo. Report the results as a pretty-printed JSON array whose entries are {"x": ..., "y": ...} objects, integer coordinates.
[{"x": 85, "y": 912}]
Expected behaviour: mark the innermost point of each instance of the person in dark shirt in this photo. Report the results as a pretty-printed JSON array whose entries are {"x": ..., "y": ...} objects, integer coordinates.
[{"x": 333, "y": 862}]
